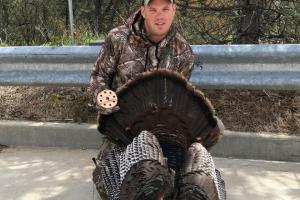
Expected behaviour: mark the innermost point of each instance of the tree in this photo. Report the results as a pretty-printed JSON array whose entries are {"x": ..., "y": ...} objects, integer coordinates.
[
  {"x": 263, "y": 21},
  {"x": 249, "y": 25},
  {"x": 25, "y": 22}
]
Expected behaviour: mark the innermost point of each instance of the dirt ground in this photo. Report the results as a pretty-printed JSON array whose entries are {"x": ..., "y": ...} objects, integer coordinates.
[{"x": 240, "y": 110}]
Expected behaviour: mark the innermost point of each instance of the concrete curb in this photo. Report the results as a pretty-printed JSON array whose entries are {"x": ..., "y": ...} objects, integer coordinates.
[
  {"x": 85, "y": 136},
  {"x": 261, "y": 146},
  {"x": 47, "y": 134}
]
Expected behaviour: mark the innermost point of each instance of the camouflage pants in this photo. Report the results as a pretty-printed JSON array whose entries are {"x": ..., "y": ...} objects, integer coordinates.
[{"x": 198, "y": 160}]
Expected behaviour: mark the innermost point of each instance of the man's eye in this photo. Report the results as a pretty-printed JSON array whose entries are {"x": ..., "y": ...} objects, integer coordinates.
[{"x": 166, "y": 9}]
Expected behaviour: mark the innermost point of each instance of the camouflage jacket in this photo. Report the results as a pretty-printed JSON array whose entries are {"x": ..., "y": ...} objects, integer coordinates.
[{"x": 127, "y": 51}]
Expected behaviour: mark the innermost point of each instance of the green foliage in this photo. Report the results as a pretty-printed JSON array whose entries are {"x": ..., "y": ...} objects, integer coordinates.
[
  {"x": 2, "y": 44},
  {"x": 39, "y": 22},
  {"x": 54, "y": 98}
]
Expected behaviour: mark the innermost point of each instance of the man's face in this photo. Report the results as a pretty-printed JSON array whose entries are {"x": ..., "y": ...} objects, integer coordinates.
[{"x": 158, "y": 15}]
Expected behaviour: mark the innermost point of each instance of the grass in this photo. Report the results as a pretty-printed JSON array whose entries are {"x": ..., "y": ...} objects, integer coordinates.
[{"x": 61, "y": 40}]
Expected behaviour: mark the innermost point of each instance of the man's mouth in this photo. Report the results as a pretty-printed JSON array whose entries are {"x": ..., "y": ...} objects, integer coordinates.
[{"x": 160, "y": 24}]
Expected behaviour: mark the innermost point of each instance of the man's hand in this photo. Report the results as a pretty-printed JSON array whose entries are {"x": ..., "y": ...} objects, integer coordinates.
[
  {"x": 107, "y": 102},
  {"x": 108, "y": 111}
]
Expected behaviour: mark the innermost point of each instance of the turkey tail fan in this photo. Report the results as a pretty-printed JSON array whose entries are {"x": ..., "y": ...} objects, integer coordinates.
[{"x": 166, "y": 104}]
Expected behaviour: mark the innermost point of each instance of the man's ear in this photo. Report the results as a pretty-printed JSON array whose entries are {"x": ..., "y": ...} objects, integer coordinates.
[
  {"x": 143, "y": 11},
  {"x": 174, "y": 7}
]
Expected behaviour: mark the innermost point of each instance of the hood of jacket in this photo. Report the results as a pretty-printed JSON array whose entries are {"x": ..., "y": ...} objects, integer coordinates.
[{"x": 135, "y": 23}]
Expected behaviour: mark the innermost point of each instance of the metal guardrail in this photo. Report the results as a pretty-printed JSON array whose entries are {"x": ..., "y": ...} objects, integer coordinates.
[
  {"x": 248, "y": 66},
  {"x": 216, "y": 66}
]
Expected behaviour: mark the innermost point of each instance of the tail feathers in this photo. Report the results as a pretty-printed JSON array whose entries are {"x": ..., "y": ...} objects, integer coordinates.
[
  {"x": 198, "y": 185},
  {"x": 199, "y": 162},
  {"x": 147, "y": 180}
]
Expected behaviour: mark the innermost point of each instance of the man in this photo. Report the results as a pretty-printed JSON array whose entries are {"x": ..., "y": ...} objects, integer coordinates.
[{"x": 148, "y": 40}]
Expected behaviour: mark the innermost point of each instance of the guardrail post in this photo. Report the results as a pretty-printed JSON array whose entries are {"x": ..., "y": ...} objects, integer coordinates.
[{"x": 70, "y": 3}]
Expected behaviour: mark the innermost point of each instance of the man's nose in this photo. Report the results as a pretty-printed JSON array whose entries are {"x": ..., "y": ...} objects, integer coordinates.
[{"x": 159, "y": 14}]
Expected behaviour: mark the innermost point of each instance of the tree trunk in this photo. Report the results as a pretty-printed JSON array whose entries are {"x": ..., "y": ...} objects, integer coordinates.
[
  {"x": 97, "y": 4},
  {"x": 44, "y": 24},
  {"x": 67, "y": 14},
  {"x": 249, "y": 26},
  {"x": 3, "y": 20}
]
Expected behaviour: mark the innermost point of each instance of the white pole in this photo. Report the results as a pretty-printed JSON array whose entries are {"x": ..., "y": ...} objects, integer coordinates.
[{"x": 71, "y": 20}]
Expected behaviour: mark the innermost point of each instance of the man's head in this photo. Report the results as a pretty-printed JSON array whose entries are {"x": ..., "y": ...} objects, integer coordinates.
[
  {"x": 158, "y": 15},
  {"x": 145, "y": 2}
]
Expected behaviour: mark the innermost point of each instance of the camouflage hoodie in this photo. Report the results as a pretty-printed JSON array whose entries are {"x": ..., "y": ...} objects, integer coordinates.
[{"x": 128, "y": 51}]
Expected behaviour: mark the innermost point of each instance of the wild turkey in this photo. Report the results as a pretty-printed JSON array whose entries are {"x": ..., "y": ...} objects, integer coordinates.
[
  {"x": 169, "y": 106},
  {"x": 165, "y": 104}
]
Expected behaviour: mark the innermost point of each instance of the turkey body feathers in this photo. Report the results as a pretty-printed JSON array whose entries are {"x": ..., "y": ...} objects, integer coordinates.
[{"x": 164, "y": 103}]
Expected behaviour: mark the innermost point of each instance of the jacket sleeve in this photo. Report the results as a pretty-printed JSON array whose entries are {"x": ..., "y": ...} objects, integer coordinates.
[
  {"x": 104, "y": 69},
  {"x": 187, "y": 59}
]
